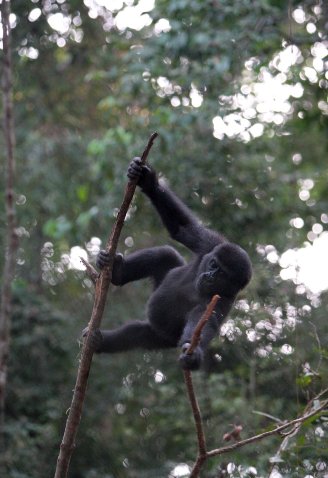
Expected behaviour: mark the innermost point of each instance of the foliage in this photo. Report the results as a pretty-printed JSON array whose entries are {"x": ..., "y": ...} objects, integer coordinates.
[{"x": 86, "y": 97}]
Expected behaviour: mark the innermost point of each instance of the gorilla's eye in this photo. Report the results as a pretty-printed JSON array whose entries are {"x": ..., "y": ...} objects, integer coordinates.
[
  {"x": 214, "y": 267},
  {"x": 213, "y": 264}
]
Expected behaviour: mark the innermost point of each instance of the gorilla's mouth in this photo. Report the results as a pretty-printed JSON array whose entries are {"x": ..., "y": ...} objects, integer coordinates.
[
  {"x": 208, "y": 277},
  {"x": 204, "y": 281}
]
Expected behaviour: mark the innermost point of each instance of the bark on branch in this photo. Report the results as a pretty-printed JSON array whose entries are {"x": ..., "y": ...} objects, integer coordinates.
[{"x": 101, "y": 288}]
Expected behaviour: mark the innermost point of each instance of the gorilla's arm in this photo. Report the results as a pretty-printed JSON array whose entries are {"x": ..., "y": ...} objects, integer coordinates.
[{"x": 180, "y": 222}]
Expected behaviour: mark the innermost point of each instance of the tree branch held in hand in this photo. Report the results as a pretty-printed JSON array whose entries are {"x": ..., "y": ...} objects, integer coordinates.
[
  {"x": 190, "y": 389},
  {"x": 101, "y": 289}
]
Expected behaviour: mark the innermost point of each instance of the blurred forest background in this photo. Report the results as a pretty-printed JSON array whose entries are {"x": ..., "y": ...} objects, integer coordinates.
[{"x": 237, "y": 91}]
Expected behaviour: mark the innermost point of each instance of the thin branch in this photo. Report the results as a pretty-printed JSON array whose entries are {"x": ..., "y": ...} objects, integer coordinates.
[
  {"x": 319, "y": 346},
  {"x": 92, "y": 273},
  {"x": 102, "y": 285},
  {"x": 199, "y": 327},
  {"x": 198, "y": 423},
  {"x": 267, "y": 415},
  {"x": 129, "y": 192},
  {"x": 11, "y": 233},
  {"x": 323, "y": 392},
  {"x": 260, "y": 436},
  {"x": 293, "y": 432},
  {"x": 191, "y": 393},
  {"x": 196, "y": 412}
]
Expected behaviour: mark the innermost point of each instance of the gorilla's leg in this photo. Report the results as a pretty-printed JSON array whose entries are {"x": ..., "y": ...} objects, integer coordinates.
[{"x": 137, "y": 334}]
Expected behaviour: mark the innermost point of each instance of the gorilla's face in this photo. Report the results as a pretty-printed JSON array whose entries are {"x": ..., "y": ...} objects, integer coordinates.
[{"x": 224, "y": 271}]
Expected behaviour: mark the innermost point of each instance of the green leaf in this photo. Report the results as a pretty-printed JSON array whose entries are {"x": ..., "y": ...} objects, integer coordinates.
[
  {"x": 57, "y": 228},
  {"x": 82, "y": 192},
  {"x": 304, "y": 380}
]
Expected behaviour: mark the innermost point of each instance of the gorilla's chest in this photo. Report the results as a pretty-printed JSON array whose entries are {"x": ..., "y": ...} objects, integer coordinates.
[{"x": 173, "y": 299}]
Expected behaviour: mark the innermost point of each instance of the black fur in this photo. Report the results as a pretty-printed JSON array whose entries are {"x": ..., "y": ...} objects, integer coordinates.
[{"x": 181, "y": 291}]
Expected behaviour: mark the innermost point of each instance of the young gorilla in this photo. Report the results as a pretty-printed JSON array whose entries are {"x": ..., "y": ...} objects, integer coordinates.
[{"x": 181, "y": 291}]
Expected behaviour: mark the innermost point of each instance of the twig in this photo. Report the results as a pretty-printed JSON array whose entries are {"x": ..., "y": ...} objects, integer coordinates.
[
  {"x": 319, "y": 346},
  {"x": 260, "y": 436},
  {"x": 90, "y": 270},
  {"x": 102, "y": 285},
  {"x": 293, "y": 432},
  {"x": 190, "y": 389},
  {"x": 199, "y": 327},
  {"x": 267, "y": 415}
]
